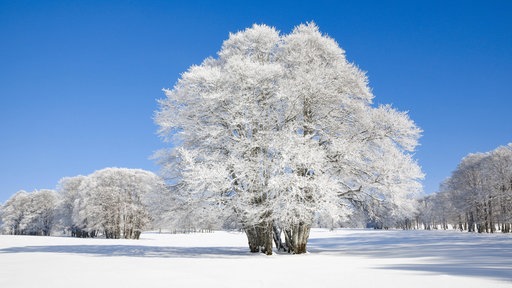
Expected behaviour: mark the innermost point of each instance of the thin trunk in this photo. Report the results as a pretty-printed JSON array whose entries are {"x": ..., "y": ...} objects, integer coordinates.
[
  {"x": 491, "y": 222},
  {"x": 280, "y": 246}
]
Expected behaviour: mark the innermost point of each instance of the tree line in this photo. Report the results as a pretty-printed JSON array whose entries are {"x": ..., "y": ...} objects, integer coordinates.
[
  {"x": 112, "y": 202},
  {"x": 477, "y": 197}
]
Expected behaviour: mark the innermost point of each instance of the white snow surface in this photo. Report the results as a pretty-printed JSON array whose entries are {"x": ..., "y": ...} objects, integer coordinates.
[{"x": 340, "y": 258}]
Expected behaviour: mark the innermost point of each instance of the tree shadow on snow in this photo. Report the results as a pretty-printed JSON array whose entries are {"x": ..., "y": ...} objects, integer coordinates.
[
  {"x": 444, "y": 252},
  {"x": 441, "y": 252},
  {"x": 134, "y": 251}
]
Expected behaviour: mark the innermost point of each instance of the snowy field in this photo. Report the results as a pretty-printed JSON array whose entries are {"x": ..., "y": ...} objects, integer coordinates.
[{"x": 342, "y": 258}]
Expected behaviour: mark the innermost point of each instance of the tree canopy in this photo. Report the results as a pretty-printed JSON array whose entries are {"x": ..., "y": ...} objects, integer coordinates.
[
  {"x": 112, "y": 202},
  {"x": 477, "y": 197},
  {"x": 280, "y": 129}
]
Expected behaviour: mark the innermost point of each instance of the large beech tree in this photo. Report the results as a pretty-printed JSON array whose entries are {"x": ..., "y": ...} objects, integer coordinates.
[{"x": 279, "y": 129}]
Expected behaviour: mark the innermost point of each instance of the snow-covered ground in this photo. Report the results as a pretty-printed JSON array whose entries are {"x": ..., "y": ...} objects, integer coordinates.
[{"x": 341, "y": 258}]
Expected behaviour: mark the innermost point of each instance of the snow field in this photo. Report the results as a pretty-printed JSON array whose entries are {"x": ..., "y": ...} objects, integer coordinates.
[{"x": 341, "y": 258}]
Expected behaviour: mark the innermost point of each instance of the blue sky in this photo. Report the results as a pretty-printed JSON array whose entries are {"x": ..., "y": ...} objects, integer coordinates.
[{"x": 79, "y": 80}]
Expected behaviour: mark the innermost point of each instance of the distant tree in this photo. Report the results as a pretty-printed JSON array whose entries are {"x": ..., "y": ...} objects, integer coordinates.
[
  {"x": 500, "y": 167},
  {"x": 30, "y": 213},
  {"x": 435, "y": 211},
  {"x": 13, "y": 213},
  {"x": 478, "y": 195},
  {"x": 68, "y": 189},
  {"x": 280, "y": 129},
  {"x": 44, "y": 204},
  {"x": 114, "y": 201}
]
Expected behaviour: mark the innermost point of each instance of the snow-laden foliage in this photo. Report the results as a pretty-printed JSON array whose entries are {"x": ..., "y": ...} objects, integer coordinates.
[
  {"x": 111, "y": 201},
  {"x": 29, "y": 213},
  {"x": 70, "y": 200},
  {"x": 477, "y": 196},
  {"x": 280, "y": 129}
]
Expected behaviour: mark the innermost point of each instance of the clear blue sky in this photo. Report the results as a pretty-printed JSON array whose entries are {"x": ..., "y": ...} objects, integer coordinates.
[{"x": 79, "y": 79}]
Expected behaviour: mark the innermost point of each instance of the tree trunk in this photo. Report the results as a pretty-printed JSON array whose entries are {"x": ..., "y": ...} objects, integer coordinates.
[
  {"x": 471, "y": 222},
  {"x": 507, "y": 228},
  {"x": 491, "y": 220},
  {"x": 260, "y": 237},
  {"x": 278, "y": 241},
  {"x": 297, "y": 238},
  {"x": 460, "y": 226}
]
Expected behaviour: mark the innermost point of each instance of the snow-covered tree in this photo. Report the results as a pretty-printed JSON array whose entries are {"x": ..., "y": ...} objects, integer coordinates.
[
  {"x": 13, "y": 213},
  {"x": 30, "y": 213},
  {"x": 70, "y": 200},
  {"x": 500, "y": 204},
  {"x": 478, "y": 194},
  {"x": 435, "y": 211},
  {"x": 113, "y": 201},
  {"x": 280, "y": 129},
  {"x": 42, "y": 216}
]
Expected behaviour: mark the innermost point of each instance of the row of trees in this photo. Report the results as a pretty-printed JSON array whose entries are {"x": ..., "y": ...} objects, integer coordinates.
[
  {"x": 477, "y": 196},
  {"x": 278, "y": 132},
  {"x": 113, "y": 202}
]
